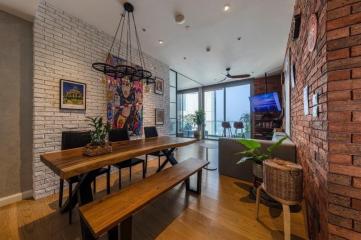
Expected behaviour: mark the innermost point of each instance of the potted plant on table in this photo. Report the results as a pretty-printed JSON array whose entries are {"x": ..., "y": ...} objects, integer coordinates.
[
  {"x": 198, "y": 119},
  {"x": 98, "y": 144},
  {"x": 254, "y": 153}
]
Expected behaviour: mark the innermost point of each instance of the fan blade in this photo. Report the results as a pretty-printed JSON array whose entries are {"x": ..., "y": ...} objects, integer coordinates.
[
  {"x": 240, "y": 76},
  {"x": 223, "y": 79}
]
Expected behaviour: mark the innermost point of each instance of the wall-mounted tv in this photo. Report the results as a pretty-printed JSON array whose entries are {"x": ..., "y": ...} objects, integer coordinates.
[{"x": 267, "y": 102}]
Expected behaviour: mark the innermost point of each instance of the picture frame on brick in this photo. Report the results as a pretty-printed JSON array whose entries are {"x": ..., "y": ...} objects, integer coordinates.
[
  {"x": 159, "y": 86},
  {"x": 72, "y": 95},
  {"x": 159, "y": 116}
]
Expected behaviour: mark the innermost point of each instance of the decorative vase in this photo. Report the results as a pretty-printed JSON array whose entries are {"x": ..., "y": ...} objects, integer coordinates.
[
  {"x": 97, "y": 150},
  {"x": 198, "y": 135}
]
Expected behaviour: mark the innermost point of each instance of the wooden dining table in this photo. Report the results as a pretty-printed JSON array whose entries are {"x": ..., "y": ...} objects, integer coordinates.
[{"x": 70, "y": 163}]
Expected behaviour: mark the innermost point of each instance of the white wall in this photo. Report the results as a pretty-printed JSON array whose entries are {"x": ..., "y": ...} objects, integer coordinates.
[{"x": 64, "y": 48}]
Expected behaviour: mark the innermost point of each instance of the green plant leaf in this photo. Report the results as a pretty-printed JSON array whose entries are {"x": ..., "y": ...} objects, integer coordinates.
[
  {"x": 244, "y": 159},
  {"x": 271, "y": 148},
  {"x": 249, "y": 143}
]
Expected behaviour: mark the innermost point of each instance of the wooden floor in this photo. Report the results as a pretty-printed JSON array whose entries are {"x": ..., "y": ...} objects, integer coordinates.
[{"x": 223, "y": 211}]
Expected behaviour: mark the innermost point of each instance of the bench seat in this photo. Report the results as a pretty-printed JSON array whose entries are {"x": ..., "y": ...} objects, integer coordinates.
[{"x": 105, "y": 214}]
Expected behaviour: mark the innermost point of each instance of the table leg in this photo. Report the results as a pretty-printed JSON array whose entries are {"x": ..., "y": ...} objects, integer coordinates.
[
  {"x": 85, "y": 192},
  {"x": 169, "y": 158},
  {"x": 206, "y": 168}
]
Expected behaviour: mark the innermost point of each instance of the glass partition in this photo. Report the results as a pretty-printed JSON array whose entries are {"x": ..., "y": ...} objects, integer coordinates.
[{"x": 188, "y": 103}]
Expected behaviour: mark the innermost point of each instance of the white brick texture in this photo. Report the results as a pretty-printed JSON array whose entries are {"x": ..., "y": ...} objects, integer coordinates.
[{"x": 64, "y": 48}]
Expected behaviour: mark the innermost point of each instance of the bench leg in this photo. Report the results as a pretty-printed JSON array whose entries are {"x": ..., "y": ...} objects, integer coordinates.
[
  {"x": 113, "y": 233},
  {"x": 85, "y": 232},
  {"x": 126, "y": 229},
  {"x": 199, "y": 183}
]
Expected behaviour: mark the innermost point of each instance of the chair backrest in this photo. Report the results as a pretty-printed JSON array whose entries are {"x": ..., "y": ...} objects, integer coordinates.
[
  {"x": 74, "y": 139},
  {"x": 118, "y": 134},
  {"x": 150, "y": 132},
  {"x": 226, "y": 125},
  {"x": 238, "y": 125}
]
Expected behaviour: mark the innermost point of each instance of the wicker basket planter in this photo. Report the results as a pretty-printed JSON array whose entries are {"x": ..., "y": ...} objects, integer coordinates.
[
  {"x": 257, "y": 170},
  {"x": 97, "y": 150},
  {"x": 283, "y": 179}
]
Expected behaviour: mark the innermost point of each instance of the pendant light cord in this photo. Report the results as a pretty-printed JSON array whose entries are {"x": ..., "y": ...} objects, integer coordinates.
[{"x": 116, "y": 33}]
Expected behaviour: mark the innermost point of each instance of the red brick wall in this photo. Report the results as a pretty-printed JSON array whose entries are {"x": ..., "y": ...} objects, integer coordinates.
[
  {"x": 310, "y": 133},
  {"x": 344, "y": 117},
  {"x": 329, "y": 146},
  {"x": 273, "y": 85}
]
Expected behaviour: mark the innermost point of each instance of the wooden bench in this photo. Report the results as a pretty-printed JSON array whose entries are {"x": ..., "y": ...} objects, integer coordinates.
[{"x": 104, "y": 215}]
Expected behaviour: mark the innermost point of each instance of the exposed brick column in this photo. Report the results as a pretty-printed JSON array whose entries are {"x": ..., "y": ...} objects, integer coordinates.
[
  {"x": 344, "y": 117},
  {"x": 329, "y": 145}
]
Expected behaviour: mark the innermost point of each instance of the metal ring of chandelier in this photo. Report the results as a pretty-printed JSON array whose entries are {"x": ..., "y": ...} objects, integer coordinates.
[{"x": 125, "y": 67}]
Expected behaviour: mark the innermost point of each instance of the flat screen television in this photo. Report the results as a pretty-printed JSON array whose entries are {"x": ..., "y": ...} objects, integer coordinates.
[{"x": 267, "y": 102}]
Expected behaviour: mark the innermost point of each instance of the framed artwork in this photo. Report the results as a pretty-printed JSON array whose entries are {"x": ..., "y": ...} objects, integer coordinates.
[
  {"x": 159, "y": 116},
  {"x": 124, "y": 101},
  {"x": 159, "y": 86},
  {"x": 72, "y": 95}
]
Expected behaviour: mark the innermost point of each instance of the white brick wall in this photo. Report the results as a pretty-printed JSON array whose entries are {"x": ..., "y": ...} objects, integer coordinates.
[{"x": 64, "y": 48}]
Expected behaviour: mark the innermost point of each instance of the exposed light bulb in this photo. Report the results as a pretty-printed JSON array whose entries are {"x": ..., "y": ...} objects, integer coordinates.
[{"x": 226, "y": 8}]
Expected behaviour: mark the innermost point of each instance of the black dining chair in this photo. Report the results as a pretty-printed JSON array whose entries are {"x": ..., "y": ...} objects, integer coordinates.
[
  {"x": 76, "y": 139},
  {"x": 151, "y": 132},
  {"x": 119, "y": 134}
]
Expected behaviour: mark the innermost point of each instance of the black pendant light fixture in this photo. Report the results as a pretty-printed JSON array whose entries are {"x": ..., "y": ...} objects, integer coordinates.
[{"x": 126, "y": 68}]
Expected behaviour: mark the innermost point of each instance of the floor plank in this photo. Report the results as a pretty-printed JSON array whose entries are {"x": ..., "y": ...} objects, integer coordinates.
[{"x": 223, "y": 211}]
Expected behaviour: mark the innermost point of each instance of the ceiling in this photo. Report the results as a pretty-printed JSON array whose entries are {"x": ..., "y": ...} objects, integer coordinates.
[{"x": 263, "y": 26}]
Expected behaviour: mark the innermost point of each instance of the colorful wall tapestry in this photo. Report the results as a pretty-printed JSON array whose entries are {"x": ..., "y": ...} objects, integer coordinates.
[{"x": 125, "y": 102}]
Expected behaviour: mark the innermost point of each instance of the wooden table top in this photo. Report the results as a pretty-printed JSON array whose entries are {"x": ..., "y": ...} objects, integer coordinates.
[{"x": 69, "y": 163}]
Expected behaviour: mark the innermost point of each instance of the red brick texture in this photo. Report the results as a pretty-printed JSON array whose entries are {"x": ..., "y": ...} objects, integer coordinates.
[
  {"x": 344, "y": 91},
  {"x": 329, "y": 146}
]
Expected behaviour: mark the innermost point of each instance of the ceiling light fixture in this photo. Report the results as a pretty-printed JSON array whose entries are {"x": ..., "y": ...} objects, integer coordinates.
[
  {"x": 179, "y": 18},
  {"x": 226, "y": 8},
  {"x": 161, "y": 42},
  {"x": 125, "y": 68}
]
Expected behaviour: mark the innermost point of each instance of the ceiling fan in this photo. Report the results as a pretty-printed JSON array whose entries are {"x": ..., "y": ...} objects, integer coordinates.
[{"x": 229, "y": 76}]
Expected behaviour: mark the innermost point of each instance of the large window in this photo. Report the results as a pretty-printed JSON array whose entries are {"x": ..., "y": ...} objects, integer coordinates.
[
  {"x": 188, "y": 103},
  {"x": 227, "y": 103},
  {"x": 238, "y": 109},
  {"x": 173, "y": 102},
  {"x": 214, "y": 110}
]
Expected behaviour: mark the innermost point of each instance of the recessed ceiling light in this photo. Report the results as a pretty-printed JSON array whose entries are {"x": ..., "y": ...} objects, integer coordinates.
[
  {"x": 185, "y": 58},
  {"x": 226, "y": 8},
  {"x": 179, "y": 18},
  {"x": 161, "y": 42}
]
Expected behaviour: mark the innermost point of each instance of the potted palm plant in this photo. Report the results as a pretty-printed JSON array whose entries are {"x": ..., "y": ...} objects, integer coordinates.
[
  {"x": 254, "y": 153},
  {"x": 198, "y": 120},
  {"x": 98, "y": 144}
]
